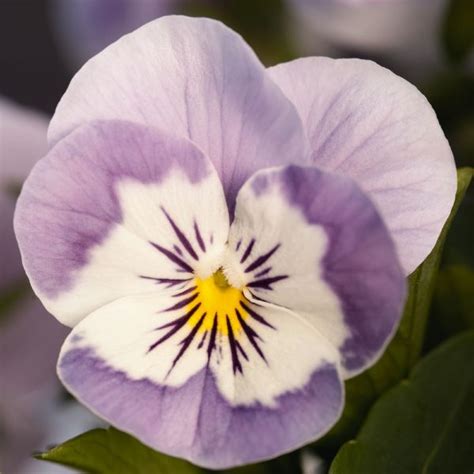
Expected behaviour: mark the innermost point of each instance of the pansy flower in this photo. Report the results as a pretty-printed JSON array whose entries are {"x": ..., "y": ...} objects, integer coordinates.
[{"x": 226, "y": 240}]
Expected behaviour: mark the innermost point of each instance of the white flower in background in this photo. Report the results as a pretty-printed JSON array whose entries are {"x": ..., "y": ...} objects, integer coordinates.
[
  {"x": 29, "y": 337},
  {"x": 407, "y": 33}
]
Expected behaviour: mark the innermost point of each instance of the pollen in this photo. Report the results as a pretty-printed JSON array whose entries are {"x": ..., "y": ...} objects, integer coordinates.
[{"x": 219, "y": 301}]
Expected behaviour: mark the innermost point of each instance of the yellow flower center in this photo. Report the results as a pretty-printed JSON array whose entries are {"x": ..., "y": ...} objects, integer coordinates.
[{"x": 218, "y": 301}]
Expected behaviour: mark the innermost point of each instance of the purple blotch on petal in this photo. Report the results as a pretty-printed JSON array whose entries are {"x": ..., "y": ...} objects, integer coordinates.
[{"x": 194, "y": 421}]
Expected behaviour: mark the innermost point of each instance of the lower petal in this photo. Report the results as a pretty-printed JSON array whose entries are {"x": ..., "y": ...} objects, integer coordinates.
[{"x": 196, "y": 405}]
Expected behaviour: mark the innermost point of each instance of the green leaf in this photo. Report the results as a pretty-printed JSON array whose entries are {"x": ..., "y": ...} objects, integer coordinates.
[
  {"x": 404, "y": 350},
  {"x": 425, "y": 424},
  {"x": 11, "y": 296},
  {"x": 458, "y": 29},
  {"x": 454, "y": 299},
  {"x": 110, "y": 451}
]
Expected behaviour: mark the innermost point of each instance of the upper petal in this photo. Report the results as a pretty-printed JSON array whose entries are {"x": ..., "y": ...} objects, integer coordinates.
[
  {"x": 312, "y": 242},
  {"x": 117, "y": 209},
  {"x": 195, "y": 78},
  {"x": 367, "y": 123}
]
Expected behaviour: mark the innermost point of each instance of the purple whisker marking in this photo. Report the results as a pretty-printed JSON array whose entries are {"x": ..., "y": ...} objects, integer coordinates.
[
  {"x": 211, "y": 239},
  {"x": 259, "y": 298},
  {"x": 236, "y": 366},
  {"x": 175, "y": 325},
  {"x": 185, "y": 292},
  {"x": 177, "y": 250},
  {"x": 199, "y": 237},
  {"x": 169, "y": 282},
  {"x": 186, "y": 342},
  {"x": 266, "y": 283},
  {"x": 247, "y": 251},
  {"x": 203, "y": 339},
  {"x": 263, "y": 272},
  {"x": 181, "y": 304},
  {"x": 239, "y": 243},
  {"x": 173, "y": 257},
  {"x": 262, "y": 259},
  {"x": 212, "y": 338},
  {"x": 255, "y": 315},
  {"x": 251, "y": 334},
  {"x": 179, "y": 320},
  {"x": 179, "y": 233},
  {"x": 241, "y": 350}
]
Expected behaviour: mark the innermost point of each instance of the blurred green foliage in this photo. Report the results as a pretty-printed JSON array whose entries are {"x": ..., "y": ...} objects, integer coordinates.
[
  {"x": 111, "y": 451},
  {"x": 458, "y": 30},
  {"x": 424, "y": 425},
  {"x": 262, "y": 23}
]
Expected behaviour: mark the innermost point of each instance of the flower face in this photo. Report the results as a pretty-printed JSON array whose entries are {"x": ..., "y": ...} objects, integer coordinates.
[{"x": 197, "y": 222}]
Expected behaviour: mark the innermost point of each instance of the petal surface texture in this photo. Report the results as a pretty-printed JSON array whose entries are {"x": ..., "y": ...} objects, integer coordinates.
[
  {"x": 117, "y": 209},
  {"x": 365, "y": 122},
  {"x": 312, "y": 242},
  {"x": 202, "y": 395},
  {"x": 195, "y": 78}
]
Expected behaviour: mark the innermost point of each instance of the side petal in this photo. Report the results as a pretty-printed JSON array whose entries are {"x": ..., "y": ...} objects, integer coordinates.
[
  {"x": 190, "y": 403},
  {"x": 312, "y": 242},
  {"x": 365, "y": 122},
  {"x": 195, "y": 78},
  {"x": 115, "y": 209}
]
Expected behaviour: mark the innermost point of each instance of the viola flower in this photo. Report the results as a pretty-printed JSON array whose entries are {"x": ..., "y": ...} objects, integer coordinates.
[{"x": 197, "y": 221}]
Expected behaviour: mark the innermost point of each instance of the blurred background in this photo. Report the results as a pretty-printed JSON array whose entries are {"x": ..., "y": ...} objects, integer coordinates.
[{"x": 43, "y": 43}]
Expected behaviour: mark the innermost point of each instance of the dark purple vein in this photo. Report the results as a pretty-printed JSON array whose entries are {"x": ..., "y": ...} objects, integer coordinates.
[
  {"x": 247, "y": 251},
  {"x": 262, "y": 259},
  {"x": 266, "y": 283},
  {"x": 173, "y": 257},
  {"x": 255, "y": 315},
  {"x": 199, "y": 237},
  {"x": 179, "y": 233}
]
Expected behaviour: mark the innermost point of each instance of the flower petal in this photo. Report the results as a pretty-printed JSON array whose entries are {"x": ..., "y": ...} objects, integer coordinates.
[
  {"x": 367, "y": 123},
  {"x": 320, "y": 249},
  {"x": 116, "y": 209},
  {"x": 197, "y": 79},
  {"x": 183, "y": 400}
]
